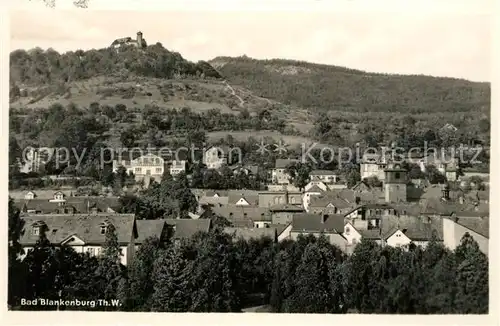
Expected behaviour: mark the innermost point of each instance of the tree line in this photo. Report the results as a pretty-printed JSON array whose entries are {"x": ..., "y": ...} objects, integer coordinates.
[
  {"x": 337, "y": 88},
  {"x": 213, "y": 272},
  {"x": 37, "y": 66}
]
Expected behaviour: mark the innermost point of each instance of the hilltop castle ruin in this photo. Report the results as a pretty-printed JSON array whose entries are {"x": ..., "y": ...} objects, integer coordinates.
[{"x": 139, "y": 42}]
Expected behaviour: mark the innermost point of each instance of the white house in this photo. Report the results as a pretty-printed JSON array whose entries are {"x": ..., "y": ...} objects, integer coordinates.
[
  {"x": 177, "y": 167},
  {"x": 279, "y": 174},
  {"x": 30, "y": 195},
  {"x": 373, "y": 165},
  {"x": 352, "y": 235},
  {"x": 217, "y": 156},
  {"x": 325, "y": 176},
  {"x": 313, "y": 191},
  {"x": 59, "y": 197},
  {"x": 83, "y": 233},
  {"x": 474, "y": 224},
  {"x": 145, "y": 166}
]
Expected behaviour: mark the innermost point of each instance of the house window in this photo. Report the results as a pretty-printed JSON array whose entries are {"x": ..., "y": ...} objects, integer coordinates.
[
  {"x": 36, "y": 230},
  {"x": 354, "y": 241},
  {"x": 397, "y": 175},
  {"x": 158, "y": 170},
  {"x": 103, "y": 229},
  {"x": 91, "y": 251},
  {"x": 245, "y": 215},
  {"x": 98, "y": 251},
  {"x": 292, "y": 200},
  {"x": 138, "y": 170},
  {"x": 347, "y": 230}
]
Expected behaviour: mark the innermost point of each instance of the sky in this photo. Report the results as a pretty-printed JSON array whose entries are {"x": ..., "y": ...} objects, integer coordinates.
[{"x": 441, "y": 38}]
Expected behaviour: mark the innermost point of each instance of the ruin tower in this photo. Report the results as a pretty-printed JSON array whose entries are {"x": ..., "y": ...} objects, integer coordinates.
[
  {"x": 395, "y": 184},
  {"x": 139, "y": 39}
]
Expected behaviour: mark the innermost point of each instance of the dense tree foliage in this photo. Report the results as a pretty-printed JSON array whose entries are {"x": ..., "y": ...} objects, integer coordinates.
[
  {"x": 212, "y": 272},
  {"x": 332, "y": 87},
  {"x": 37, "y": 66}
]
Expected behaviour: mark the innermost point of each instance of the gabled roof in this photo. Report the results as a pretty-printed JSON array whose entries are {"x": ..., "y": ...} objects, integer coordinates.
[
  {"x": 312, "y": 223},
  {"x": 416, "y": 228},
  {"x": 480, "y": 225},
  {"x": 220, "y": 193},
  {"x": 372, "y": 234},
  {"x": 210, "y": 200},
  {"x": 186, "y": 228},
  {"x": 251, "y": 196},
  {"x": 85, "y": 227},
  {"x": 149, "y": 228},
  {"x": 315, "y": 188},
  {"x": 243, "y": 213},
  {"x": 326, "y": 198},
  {"x": 80, "y": 204}
]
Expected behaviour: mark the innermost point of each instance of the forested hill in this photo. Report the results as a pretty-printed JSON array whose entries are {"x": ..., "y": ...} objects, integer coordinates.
[
  {"x": 39, "y": 67},
  {"x": 338, "y": 88}
]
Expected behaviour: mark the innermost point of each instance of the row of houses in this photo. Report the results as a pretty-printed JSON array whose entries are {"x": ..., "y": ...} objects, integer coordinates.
[
  {"x": 86, "y": 233},
  {"x": 345, "y": 216}
]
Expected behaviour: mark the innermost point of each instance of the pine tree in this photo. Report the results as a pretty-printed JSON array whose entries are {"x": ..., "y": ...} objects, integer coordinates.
[
  {"x": 360, "y": 277},
  {"x": 140, "y": 274},
  {"x": 472, "y": 278},
  {"x": 110, "y": 271},
  {"x": 312, "y": 292},
  {"x": 17, "y": 271},
  {"x": 172, "y": 289},
  {"x": 213, "y": 275}
]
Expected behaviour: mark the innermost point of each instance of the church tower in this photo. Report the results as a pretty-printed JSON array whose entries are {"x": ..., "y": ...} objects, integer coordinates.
[{"x": 395, "y": 184}]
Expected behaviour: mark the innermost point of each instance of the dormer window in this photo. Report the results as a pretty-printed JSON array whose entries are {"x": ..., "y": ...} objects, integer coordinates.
[
  {"x": 104, "y": 227},
  {"x": 36, "y": 230}
]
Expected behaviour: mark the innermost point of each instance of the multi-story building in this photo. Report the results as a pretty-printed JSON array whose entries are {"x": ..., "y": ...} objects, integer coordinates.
[
  {"x": 177, "y": 167},
  {"x": 325, "y": 176},
  {"x": 147, "y": 166},
  {"x": 217, "y": 156},
  {"x": 83, "y": 233},
  {"x": 279, "y": 174},
  {"x": 373, "y": 165}
]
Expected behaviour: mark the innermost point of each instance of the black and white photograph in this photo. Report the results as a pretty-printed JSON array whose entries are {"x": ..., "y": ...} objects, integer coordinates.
[{"x": 249, "y": 161}]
